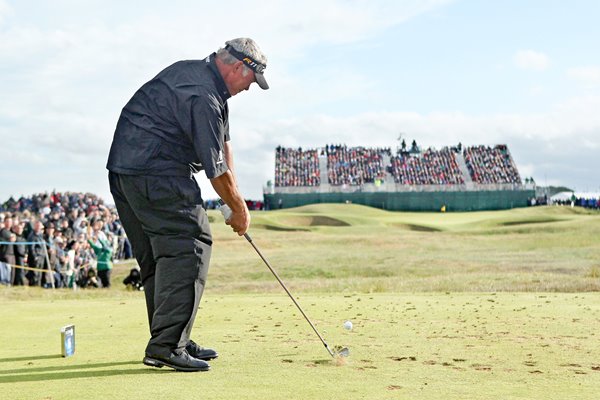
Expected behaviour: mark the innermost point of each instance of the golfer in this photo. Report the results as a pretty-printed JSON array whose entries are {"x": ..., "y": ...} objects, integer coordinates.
[{"x": 176, "y": 125}]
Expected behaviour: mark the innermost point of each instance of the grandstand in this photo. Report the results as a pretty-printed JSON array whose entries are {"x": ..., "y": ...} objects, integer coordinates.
[{"x": 454, "y": 178}]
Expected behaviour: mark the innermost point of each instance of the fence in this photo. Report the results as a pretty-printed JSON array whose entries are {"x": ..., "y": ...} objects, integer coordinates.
[{"x": 410, "y": 201}]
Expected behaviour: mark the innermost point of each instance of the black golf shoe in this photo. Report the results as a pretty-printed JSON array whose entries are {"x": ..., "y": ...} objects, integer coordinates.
[
  {"x": 180, "y": 361},
  {"x": 199, "y": 352}
]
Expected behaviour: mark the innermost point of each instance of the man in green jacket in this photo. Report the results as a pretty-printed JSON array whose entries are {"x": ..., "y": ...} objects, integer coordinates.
[{"x": 103, "y": 251}]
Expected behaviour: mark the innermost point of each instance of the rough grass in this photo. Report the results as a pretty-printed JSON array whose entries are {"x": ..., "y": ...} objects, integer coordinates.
[
  {"x": 533, "y": 249},
  {"x": 349, "y": 248}
]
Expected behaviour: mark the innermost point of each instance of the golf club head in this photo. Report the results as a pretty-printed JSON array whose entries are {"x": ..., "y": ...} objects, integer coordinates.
[{"x": 341, "y": 351}]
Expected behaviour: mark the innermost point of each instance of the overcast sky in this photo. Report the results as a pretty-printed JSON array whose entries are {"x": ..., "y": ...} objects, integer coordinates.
[{"x": 523, "y": 73}]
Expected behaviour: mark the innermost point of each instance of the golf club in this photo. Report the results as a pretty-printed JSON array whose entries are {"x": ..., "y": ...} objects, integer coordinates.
[{"x": 339, "y": 351}]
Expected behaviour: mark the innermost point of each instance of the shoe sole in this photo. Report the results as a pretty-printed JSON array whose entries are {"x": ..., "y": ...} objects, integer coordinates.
[
  {"x": 153, "y": 362},
  {"x": 207, "y": 358}
]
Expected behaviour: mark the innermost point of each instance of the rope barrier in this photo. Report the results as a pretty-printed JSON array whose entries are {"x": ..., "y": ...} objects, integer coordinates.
[
  {"x": 46, "y": 245},
  {"x": 45, "y": 270},
  {"x": 27, "y": 268},
  {"x": 49, "y": 270},
  {"x": 42, "y": 270}
]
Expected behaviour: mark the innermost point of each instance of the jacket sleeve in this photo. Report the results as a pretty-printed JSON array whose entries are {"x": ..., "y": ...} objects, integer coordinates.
[
  {"x": 96, "y": 249},
  {"x": 106, "y": 247},
  {"x": 206, "y": 123}
]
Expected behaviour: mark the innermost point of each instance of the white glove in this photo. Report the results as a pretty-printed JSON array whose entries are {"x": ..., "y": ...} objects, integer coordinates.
[{"x": 226, "y": 211}]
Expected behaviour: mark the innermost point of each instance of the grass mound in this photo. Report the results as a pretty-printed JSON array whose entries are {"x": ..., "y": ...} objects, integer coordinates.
[
  {"x": 313, "y": 220},
  {"x": 417, "y": 227},
  {"x": 530, "y": 221},
  {"x": 279, "y": 228}
]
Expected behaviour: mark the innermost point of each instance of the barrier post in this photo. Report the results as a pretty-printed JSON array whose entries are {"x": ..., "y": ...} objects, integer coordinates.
[{"x": 50, "y": 270}]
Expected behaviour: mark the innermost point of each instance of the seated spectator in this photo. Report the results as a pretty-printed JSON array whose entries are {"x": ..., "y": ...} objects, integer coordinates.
[
  {"x": 354, "y": 165},
  {"x": 297, "y": 167},
  {"x": 431, "y": 167},
  {"x": 87, "y": 278},
  {"x": 491, "y": 165}
]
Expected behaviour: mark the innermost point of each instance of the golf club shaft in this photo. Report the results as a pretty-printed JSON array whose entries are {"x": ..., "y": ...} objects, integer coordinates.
[{"x": 249, "y": 239}]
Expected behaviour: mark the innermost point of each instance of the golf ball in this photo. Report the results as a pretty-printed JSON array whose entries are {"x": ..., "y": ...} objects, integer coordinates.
[{"x": 348, "y": 325}]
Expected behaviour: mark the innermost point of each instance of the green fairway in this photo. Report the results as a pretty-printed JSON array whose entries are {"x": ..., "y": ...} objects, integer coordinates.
[
  {"x": 426, "y": 346},
  {"x": 487, "y": 305}
]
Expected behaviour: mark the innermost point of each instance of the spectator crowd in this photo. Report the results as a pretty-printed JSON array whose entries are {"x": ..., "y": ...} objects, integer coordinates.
[
  {"x": 63, "y": 240},
  {"x": 355, "y": 165},
  {"x": 410, "y": 166},
  {"x": 360, "y": 165},
  {"x": 586, "y": 200},
  {"x": 297, "y": 167},
  {"x": 214, "y": 204},
  {"x": 490, "y": 165},
  {"x": 588, "y": 203},
  {"x": 431, "y": 167}
]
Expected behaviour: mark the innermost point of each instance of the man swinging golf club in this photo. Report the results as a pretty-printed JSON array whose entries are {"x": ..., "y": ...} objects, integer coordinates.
[{"x": 174, "y": 126}]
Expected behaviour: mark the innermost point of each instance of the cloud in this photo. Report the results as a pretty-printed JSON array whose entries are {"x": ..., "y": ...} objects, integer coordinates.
[
  {"x": 339, "y": 22},
  {"x": 588, "y": 76},
  {"x": 558, "y": 146},
  {"x": 536, "y": 90},
  {"x": 574, "y": 119},
  {"x": 5, "y": 10},
  {"x": 67, "y": 77},
  {"x": 63, "y": 69},
  {"x": 531, "y": 60},
  {"x": 67, "y": 81}
]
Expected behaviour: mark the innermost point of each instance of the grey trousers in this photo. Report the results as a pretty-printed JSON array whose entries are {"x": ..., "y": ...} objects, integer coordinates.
[{"x": 171, "y": 240}]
